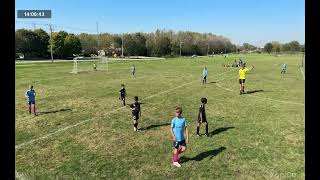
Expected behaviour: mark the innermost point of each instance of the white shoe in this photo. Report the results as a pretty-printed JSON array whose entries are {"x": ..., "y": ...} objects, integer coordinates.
[{"x": 176, "y": 164}]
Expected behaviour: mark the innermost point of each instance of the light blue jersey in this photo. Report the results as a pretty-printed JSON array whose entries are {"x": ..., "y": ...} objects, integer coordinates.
[
  {"x": 31, "y": 95},
  {"x": 178, "y": 125},
  {"x": 204, "y": 72},
  {"x": 284, "y": 66}
]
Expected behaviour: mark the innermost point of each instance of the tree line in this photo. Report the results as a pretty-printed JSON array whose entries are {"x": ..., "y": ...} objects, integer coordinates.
[
  {"x": 276, "y": 47},
  {"x": 161, "y": 43}
]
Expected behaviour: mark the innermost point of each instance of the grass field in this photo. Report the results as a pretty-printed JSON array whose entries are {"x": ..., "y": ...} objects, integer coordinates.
[{"x": 83, "y": 131}]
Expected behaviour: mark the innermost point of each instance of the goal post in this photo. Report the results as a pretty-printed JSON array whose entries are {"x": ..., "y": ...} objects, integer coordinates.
[
  {"x": 81, "y": 64},
  {"x": 75, "y": 66},
  {"x": 103, "y": 63}
]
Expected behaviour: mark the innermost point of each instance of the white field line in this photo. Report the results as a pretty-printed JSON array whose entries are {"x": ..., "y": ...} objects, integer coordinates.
[
  {"x": 107, "y": 113},
  {"x": 20, "y": 176},
  {"x": 302, "y": 73},
  {"x": 287, "y": 102}
]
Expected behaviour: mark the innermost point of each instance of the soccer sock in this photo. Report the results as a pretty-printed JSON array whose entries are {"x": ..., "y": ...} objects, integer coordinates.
[
  {"x": 207, "y": 128},
  {"x": 198, "y": 129},
  {"x": 175, "y": 157},
  {"x": 30, "y": 109}
]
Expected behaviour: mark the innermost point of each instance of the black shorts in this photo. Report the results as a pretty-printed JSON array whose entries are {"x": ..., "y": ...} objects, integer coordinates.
[
  {"x": 204, "y": 120},
  {"x": 176, "y": 144},
  {"x": 31, "y": 102},
  {"x": 135, "y": 116},
  {"x": 205, "y": 77},
  {"x": 123, "y": 97},
  {"x": 242, "y": 81}
]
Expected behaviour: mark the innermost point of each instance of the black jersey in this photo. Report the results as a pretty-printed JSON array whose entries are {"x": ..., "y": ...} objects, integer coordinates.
[
  {"x": 122, "y": 92},
  {"x": 202, "y": 113},
  {"x": 135, "y": 107}
]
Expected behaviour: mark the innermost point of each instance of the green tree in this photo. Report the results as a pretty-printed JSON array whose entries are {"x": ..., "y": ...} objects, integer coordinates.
[
  {"x": 58, "y": 42},
  {"x": 22, "y": 42},
  {"x": 294, "y": 46},
  {"x": 302, "y": 48},
  {"x": 31, "y": 43},
  {"x": 268, "y": 47},
  {"x": 276, "y": 46},
  {"x": 140, "y": 44},
  {"x": 129, "y": 45},
  {"x": 42, "y": 42},
  {"x": 162, "y": 46},
  {"x": 88, "y": 43},
  {"x": 285, "y": 47},
  {"x": 72, "y": 45}
]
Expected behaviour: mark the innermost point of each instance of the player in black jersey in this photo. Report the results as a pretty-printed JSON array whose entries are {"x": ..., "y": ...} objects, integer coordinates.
[
  {"x": 202, "y": 116},
  {"x": 136, "y": 112},
  {"x": 122, "y": 94}
]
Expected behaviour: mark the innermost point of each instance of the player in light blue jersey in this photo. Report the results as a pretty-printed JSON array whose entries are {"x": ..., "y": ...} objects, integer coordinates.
[
  {"x": 180, "y": 135},
  {"x": 284, "y": 68},
  {"x": 204, "y": 75}
]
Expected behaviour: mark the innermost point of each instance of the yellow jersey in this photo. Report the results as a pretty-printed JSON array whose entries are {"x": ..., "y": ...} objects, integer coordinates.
[{"x": 242, "y": 73}]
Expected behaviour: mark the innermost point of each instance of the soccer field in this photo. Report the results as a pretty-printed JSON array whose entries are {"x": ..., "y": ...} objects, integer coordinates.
[{"x": 84, "y": 132}]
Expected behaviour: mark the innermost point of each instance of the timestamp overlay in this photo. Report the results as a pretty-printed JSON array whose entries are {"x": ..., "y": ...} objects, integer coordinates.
[{"x": 33, "y": 13}]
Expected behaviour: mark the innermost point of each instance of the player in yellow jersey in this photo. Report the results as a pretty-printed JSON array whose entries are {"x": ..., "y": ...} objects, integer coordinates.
[
  {"x": 242, "y": 77},
  {"x": 94, "y": 67}
]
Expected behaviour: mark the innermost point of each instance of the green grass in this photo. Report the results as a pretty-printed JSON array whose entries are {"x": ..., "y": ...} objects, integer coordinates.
[{"x": 256, "y": 136}]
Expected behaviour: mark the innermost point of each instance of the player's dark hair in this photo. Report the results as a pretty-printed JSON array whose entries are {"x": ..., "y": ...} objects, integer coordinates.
[
  {"x": 204, "y": 100},
  {"x": 136, "y": 98},
  {"x": 179, "y": 109},
  {"x": 31, "y": 86},
  {"x": 122, "y": 85}
]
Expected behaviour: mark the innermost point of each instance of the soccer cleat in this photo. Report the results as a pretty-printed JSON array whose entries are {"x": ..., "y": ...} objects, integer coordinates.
[
  {"x": 198, "y": 135},
  {"x": 207, "y": 134},
  {"x": 176, "y": 164}
]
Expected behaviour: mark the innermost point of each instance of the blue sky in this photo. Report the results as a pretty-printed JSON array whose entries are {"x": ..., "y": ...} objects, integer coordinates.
[{"x": 253, "y": 21}]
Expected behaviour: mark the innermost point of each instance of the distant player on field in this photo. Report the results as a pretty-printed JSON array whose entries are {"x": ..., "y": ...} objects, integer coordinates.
[
  {"x": 133, "y": 70},
  {"x": 122, "y": 94},
  {"x": 202, "y": 116},
  {"x": 180, "y": 135},
  {"x": 31, "y": 95},
  {"x": 242, "y": 77},
  {"x": 136, "y": 112},
  {"x": 284, "y": 68},
  {"x": 204, "y": 75},
  {"x": 94, "y": 67},
  {"x": 240, "y": 62}
]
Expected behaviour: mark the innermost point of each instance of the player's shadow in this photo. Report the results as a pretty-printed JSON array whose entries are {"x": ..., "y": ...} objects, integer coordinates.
[
  {"x": 219, "y": 130},
  {"x": 53, "y": 111},
  {"x": 154, "y": 126},
  {"x": 211, "y": 82},
  {"x": 255, "y": 91},
  {"x": 203, "y": 155}
]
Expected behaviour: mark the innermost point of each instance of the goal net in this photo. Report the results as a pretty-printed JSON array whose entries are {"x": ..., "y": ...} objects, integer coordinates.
[
  {"x": 103, "y": 63},
  {"x": 87, "y": 65}
]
